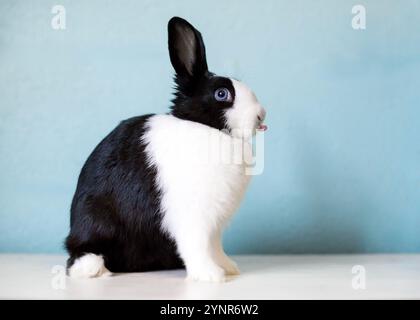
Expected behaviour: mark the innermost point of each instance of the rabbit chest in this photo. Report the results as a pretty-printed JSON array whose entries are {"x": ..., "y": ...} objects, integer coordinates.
[{"x": 201, "y": 171}]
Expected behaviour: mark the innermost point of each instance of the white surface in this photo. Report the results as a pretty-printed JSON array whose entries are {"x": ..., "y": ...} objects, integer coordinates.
[{"x": 263, "y": 277}]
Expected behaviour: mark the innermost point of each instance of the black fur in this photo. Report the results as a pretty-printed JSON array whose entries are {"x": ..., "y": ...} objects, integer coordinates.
[
  {"x": 116, "y": 208},
  {"x": 194, "y": 97},
  {"x": 201, "y": 105}
]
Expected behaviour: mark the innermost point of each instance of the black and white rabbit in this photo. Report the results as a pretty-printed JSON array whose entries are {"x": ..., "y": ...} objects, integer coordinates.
[{"x": 143, "y": 200}]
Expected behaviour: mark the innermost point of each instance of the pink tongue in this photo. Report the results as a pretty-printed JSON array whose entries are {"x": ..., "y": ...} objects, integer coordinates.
[{"x": 262, "y": 127}]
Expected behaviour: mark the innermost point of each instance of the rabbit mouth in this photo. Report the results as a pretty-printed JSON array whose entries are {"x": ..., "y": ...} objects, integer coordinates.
[
  {"x": 260, "y": 123},
  {"x": 262, "y": 127}
]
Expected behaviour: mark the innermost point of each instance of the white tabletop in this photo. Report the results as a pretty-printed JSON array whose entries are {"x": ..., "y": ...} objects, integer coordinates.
[{"x": 263, "y": 277}]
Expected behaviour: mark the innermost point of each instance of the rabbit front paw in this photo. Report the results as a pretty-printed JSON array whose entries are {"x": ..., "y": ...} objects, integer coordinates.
[{"x": 207, "y": 274}]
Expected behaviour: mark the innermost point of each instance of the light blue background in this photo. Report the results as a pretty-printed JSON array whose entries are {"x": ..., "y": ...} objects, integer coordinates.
[{"x": 342, "y": 161}]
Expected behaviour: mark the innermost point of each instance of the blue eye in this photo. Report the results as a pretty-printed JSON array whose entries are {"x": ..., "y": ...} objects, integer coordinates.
[{"x": 222, "y": 94}]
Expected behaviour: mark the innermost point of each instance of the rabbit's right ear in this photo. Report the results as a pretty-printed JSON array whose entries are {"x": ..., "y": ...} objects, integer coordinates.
[{"x": 186, "y": 49}]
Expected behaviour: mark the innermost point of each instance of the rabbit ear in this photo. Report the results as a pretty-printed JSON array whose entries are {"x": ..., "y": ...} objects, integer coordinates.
[{"x": 186, "y": 49}]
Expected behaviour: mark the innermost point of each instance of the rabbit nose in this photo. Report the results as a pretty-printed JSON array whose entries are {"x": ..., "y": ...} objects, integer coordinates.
[{"x": 262, "y": 114}]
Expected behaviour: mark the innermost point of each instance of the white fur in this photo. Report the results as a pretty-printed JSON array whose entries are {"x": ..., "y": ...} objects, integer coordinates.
[
  {"x": 202, "y": 182},
  {"x": 89, "y": 266},
  {"x": 242, "y": 118}
]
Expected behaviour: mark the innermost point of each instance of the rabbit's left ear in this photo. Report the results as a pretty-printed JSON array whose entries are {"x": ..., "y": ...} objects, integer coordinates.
[{"x": 186, "y": 49}]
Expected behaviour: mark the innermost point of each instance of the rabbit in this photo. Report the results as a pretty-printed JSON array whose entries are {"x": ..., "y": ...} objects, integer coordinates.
[{"x": 142, "y": 203}]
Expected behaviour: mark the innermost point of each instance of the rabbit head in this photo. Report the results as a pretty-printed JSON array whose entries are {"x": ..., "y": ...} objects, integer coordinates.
[{"x": 202, "y": 96}]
